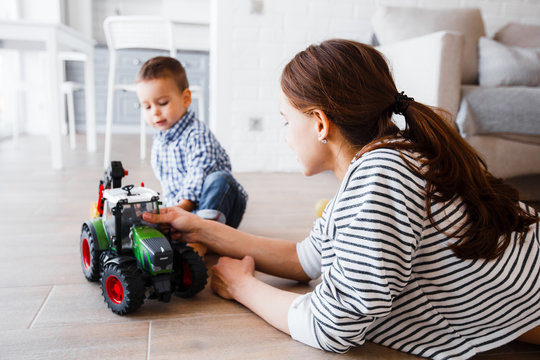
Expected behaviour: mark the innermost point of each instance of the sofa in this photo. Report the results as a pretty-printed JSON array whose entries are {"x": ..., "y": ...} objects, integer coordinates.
[{"x": 490, "y": 86}]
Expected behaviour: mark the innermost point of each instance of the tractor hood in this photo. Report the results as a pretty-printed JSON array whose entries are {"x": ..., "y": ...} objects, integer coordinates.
[
  {"x": 152, "y": 250},
  {"x": 145, "y": 232}
]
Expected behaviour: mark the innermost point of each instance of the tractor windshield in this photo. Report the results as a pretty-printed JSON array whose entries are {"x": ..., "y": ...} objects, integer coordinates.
[
  {"x": 132, "y": 213},
  {"x": 119, "y": 219},
  {"x": 142, "y": 207}
]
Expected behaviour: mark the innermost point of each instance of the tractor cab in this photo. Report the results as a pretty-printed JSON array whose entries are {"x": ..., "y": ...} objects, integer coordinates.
[{"x": 123, "y": 209}]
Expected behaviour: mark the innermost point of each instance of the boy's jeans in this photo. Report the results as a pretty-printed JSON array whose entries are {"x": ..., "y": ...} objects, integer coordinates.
[{"x": 221, "y": 200}]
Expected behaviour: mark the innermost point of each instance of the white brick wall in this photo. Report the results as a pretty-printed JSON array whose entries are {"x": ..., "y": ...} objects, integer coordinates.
[{"x": 248, "y": 52}]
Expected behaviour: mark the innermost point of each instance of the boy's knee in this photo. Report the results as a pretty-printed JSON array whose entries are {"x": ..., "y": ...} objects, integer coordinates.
[
  {"x": 217, "y": 176},
  {"x": 212, "y": 214},
  {"x": 217, "y": 179}
]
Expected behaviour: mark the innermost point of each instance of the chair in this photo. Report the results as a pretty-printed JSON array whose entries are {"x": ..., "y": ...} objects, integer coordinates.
[
  {"x": 137, "y": 32},
  {"x": 68, "y": 88}
]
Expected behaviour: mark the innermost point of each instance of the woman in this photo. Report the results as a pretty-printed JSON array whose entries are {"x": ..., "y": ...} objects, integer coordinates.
[{"x": 421, "y": 249}]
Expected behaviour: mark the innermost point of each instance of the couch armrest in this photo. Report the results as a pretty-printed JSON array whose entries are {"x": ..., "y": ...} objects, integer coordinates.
[{"x": 428, "y": 68}]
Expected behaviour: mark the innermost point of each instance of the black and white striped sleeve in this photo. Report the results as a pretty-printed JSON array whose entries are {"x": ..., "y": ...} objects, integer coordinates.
[
  {"x": 309, "y": 250},
  {"x": 378, "y": 219}
]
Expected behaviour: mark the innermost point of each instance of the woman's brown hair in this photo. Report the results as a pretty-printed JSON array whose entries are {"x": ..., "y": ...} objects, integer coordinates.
[{"x": 352, "y": 84}]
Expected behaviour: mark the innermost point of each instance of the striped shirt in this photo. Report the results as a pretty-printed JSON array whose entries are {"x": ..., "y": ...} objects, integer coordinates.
[
  {"x": 388, "y": 276},
  {"x": 183, "y": 156}
]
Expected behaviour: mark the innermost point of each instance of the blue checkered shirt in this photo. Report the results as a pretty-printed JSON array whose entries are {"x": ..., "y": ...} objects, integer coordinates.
[{"x": 183, "y": 156}]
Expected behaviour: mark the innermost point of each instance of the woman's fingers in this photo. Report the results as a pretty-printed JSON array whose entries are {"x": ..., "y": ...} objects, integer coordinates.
[
  {"x": 166, "y": 215},
  {"x": 154, "y": 218}
]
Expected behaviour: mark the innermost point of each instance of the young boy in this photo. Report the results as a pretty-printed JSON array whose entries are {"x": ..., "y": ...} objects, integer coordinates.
[{"x": 193, "y": 168}]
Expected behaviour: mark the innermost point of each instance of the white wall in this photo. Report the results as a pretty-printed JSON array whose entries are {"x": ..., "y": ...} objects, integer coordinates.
[
  {"x": 79, "y": 16},
  {"x": 177, "y": 10},
  {"x": 249, "y": 50}
]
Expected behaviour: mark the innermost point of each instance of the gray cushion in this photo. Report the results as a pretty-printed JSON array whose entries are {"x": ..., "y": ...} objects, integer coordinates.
[
  {"x": 509, "y": 110},
  {"x": 502, "y": 65}
]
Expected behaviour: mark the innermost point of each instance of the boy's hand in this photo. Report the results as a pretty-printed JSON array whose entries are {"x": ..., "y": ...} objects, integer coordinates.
[{"x": 187, "y": 205}]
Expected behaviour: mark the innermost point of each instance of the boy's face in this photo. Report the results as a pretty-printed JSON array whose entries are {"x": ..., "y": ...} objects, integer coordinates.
[{"x": 162, "y": 102}]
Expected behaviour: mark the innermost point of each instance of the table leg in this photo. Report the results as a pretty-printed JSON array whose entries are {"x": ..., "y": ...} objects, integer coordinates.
[
  {"x": 54, "y": 101},
  {"x": 89, "y": 87}
]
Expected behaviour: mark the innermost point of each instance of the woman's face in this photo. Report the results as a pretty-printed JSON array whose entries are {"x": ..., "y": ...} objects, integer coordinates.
[{"x": 302, "y": 136}]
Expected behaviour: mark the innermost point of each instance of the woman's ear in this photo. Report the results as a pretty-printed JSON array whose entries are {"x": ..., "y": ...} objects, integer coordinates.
[{"x": 322, "y": 124}]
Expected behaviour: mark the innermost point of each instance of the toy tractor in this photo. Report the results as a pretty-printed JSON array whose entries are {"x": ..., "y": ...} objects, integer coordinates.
[{"x": 129, "y": 255}]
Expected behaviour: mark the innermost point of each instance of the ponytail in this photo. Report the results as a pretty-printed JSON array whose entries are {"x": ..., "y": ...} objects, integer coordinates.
[{"x": 453, "y": 167}]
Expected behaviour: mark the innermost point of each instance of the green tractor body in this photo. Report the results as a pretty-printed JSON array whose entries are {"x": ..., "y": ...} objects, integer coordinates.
[
  {"x": 130, "y": 256},
  {"x": 152, "y": 250}
]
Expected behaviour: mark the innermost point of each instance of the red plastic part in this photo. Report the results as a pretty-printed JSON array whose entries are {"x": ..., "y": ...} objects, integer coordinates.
[
  {"x": 188, "y": 277},
  {"x": 125, "y": 172},
  {"x": 142, "y": 184},
  {"x": 114, "y": 288},
  {"x": 87, "y": 258},
  {"x": 100, "y": 200}
]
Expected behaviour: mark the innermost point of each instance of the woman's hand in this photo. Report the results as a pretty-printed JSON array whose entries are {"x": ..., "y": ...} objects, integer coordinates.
[
  {"x": 230, "y": 276},
  {"x": 234, "y": 279},
  {"x": 181, "y": 223}
]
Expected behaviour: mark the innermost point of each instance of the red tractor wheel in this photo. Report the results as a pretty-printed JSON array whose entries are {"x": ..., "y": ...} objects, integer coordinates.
[
  {"x": 123, "y": 287},
  {"x": 189, "y": 271},
  {"x": 90, "y": 253}
]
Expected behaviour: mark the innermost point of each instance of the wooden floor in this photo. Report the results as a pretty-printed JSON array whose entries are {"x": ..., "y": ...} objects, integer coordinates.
[{"x": 49, "y": 311}]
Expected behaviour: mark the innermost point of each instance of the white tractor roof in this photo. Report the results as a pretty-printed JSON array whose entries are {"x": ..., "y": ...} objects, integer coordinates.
[{"x": 138, "y": 194}]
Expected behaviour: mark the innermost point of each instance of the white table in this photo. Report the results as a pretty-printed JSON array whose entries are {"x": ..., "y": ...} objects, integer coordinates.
[{"x": 58, "y": 37}]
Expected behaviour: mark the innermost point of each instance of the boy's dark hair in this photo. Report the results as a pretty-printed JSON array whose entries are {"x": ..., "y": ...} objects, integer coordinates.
[{"x": 161, "y": 67}]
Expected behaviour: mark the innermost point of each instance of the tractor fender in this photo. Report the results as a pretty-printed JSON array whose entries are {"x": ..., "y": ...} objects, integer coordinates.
[
  {"x": 118, "y": 260},
  {"x": 98, "y": 232}
]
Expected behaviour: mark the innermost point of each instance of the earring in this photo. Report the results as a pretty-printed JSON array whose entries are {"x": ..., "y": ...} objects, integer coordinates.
[{"x": 324, "y": 141}]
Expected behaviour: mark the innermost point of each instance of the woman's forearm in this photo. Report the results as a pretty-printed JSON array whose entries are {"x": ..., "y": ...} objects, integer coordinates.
[
  {"x": 270, "y": 303},
  {"x": 272, "y": 256}
]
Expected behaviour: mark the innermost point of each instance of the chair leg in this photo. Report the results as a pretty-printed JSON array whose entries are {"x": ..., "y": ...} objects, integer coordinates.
[
  {"x": 143, "y": 136},
  {"x": 109, "y": 115},
  {"x": 19, "y": 114},
  {"x": 71, "y": 120},
  {"x": 63, "y": 124}
]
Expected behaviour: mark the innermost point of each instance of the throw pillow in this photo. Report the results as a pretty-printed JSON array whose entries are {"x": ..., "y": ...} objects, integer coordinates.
[
  {"x": 502, "y": 65},
  {"x": 393, "y": 24},
  {"x": 519, "y": 35}
]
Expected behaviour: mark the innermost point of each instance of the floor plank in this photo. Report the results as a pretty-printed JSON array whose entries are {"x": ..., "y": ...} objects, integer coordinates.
[
  {"x": 19, "y": 306},
  {"x": 82, "y": 341},
  {"x": 220, "y": 337}
]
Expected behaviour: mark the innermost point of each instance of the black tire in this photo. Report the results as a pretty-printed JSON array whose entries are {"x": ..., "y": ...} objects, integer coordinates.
[
  {"x": 122, "y": 287},
  {"x": 90, "y": 254},
  {"x": 189, "y": 271}
]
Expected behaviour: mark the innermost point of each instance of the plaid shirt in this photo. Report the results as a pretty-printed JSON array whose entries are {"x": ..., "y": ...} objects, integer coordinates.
[{"x": 183, "y": 156}]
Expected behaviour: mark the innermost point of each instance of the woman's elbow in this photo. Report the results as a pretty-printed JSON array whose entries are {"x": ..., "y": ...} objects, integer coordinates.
[
  {"x": 338, "y": 341},
  {"x": 302, "y": 278},
  {"x": 334, "y": 346}
]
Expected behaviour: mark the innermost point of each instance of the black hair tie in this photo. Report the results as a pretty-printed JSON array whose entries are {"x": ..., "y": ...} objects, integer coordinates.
[{"x": 402, "y": 103}]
